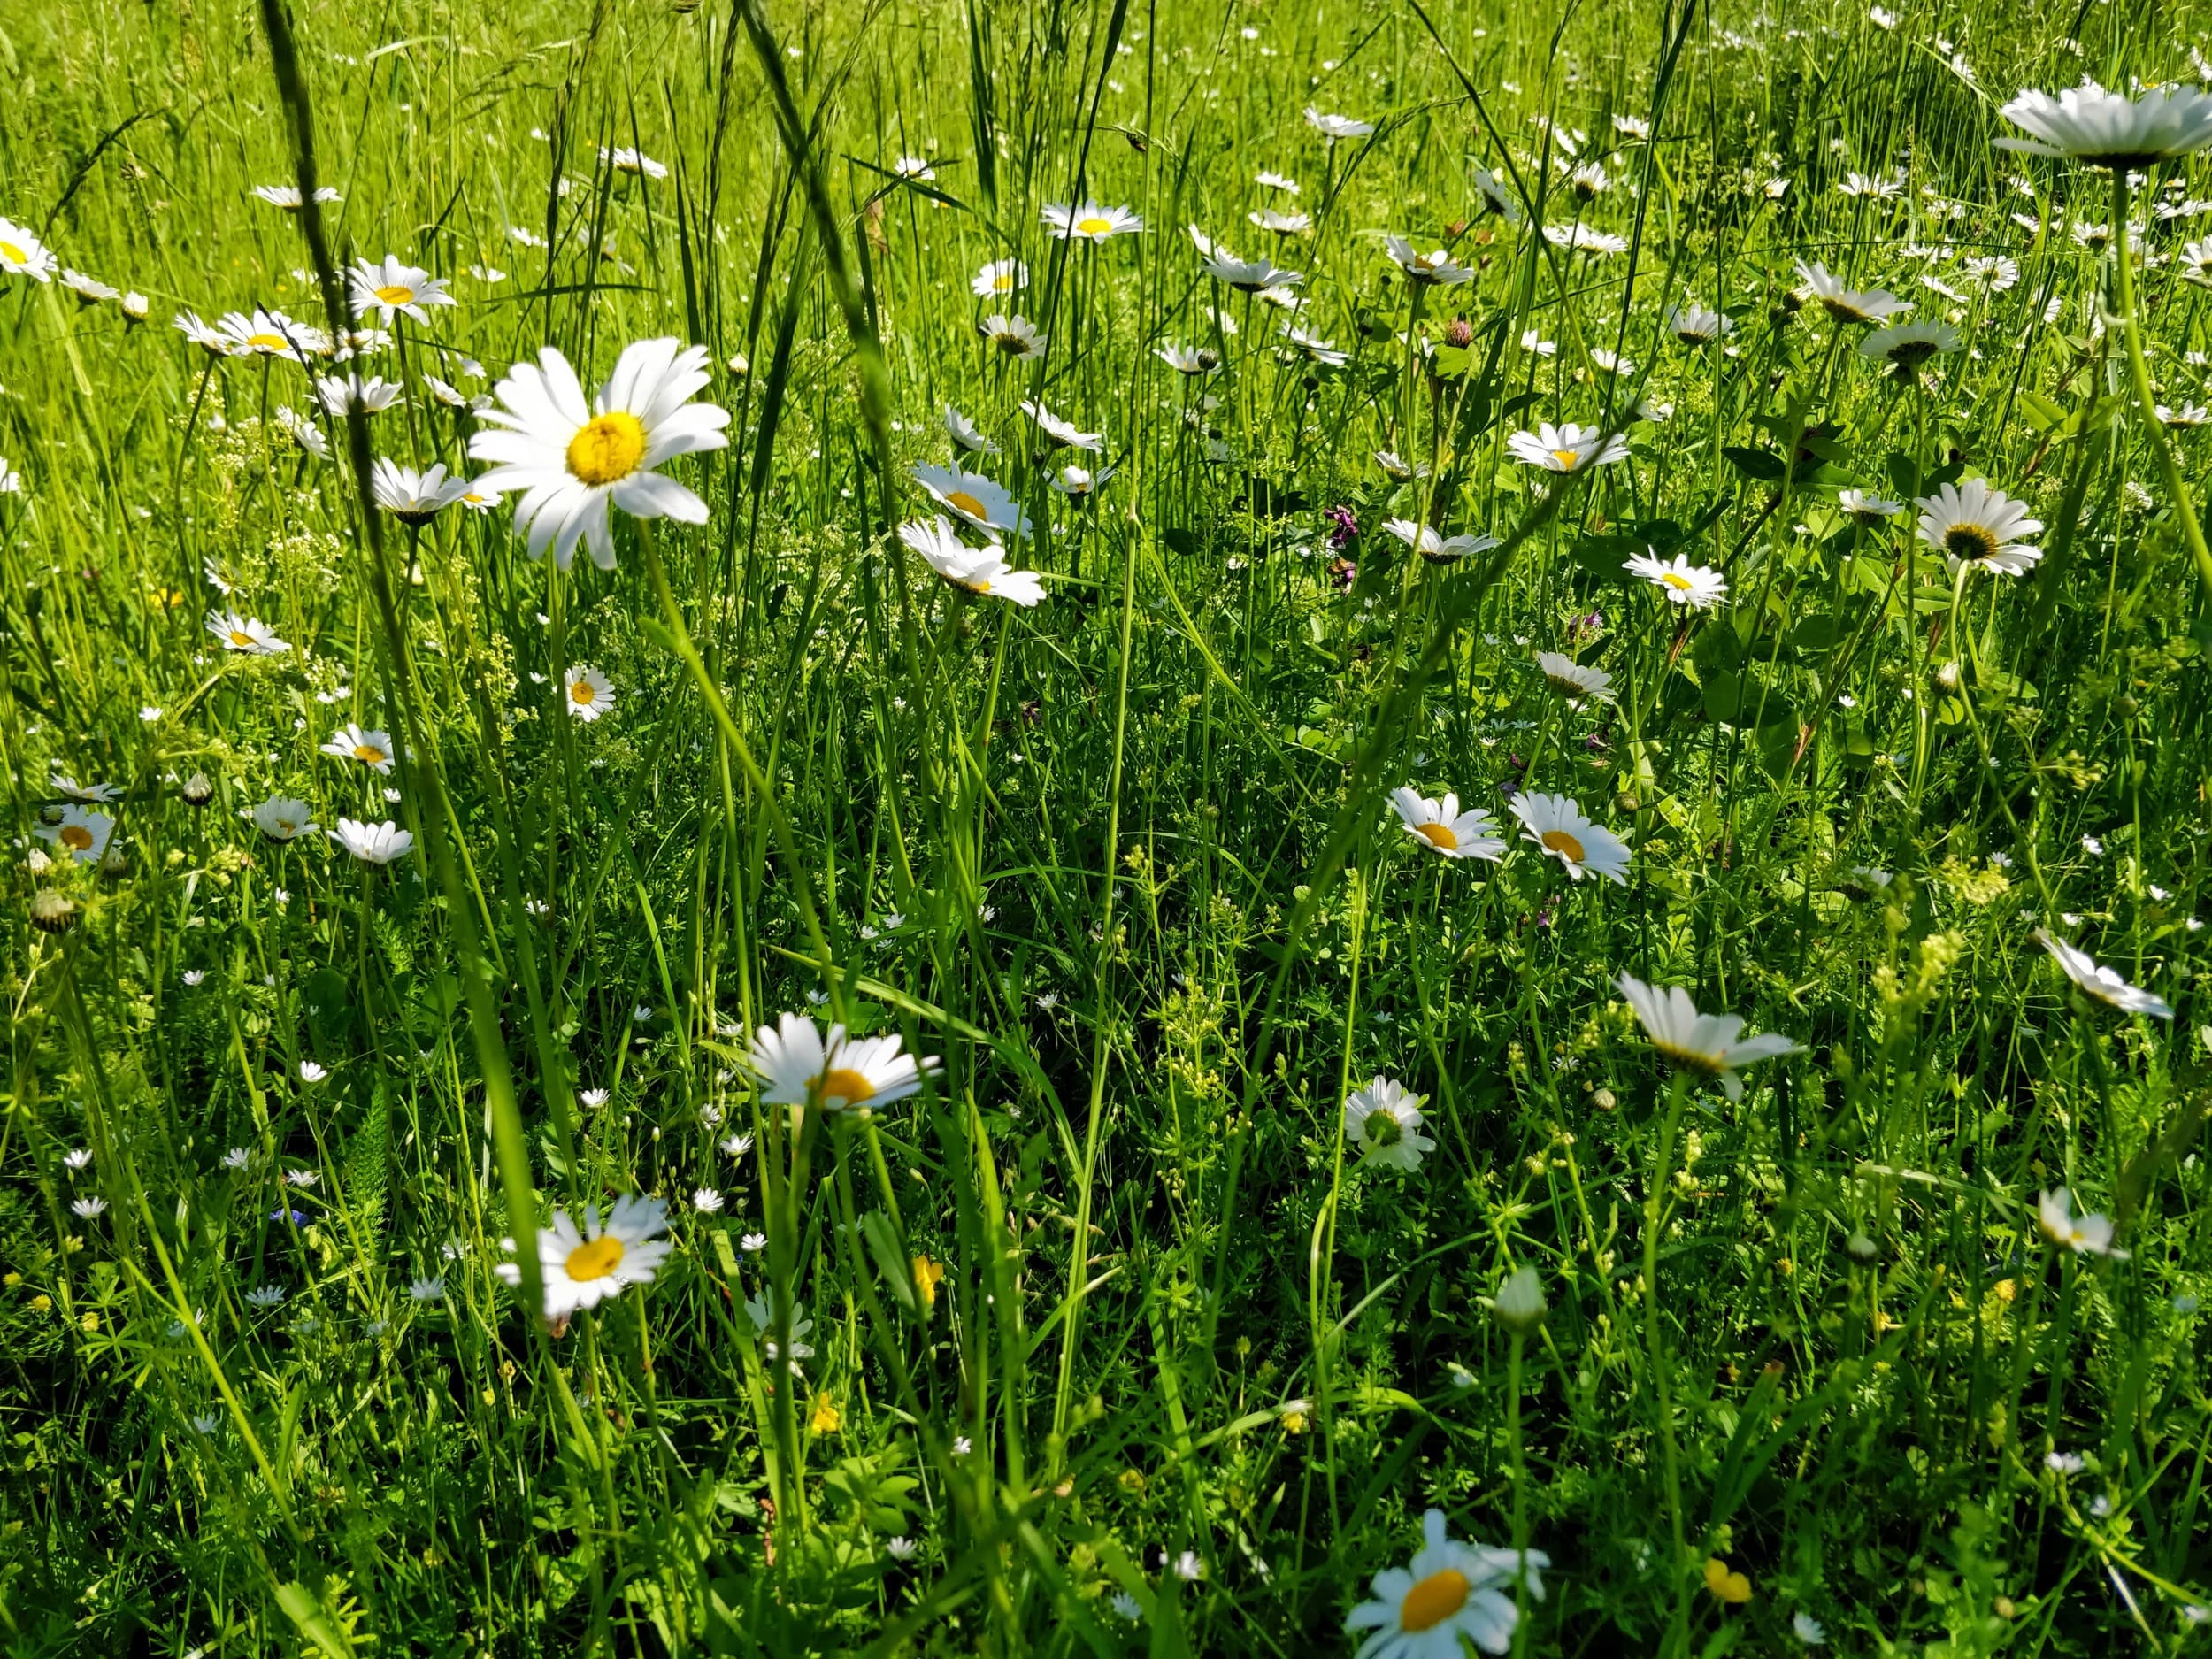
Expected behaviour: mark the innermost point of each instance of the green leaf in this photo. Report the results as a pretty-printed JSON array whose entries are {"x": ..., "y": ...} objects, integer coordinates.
[
  {"x": 891, "y": 1262},
  {"x": 1759, "y": 464}
]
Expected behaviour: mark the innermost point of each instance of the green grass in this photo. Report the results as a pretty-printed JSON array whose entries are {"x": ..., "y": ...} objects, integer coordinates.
[{"x": 1125, "y": 862}]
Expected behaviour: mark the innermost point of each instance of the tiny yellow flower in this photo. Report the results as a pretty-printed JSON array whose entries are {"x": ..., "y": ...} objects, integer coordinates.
[
  {"x": 39, "y": 1304},
  {"x": 1733, "y": 1588},
  {"x": 825, "y": 1418},
  {"x": 928, "y": 1275}
]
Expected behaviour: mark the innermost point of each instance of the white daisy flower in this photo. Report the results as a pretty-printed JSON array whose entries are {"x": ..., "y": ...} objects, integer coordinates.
[
  {"x": 1063, "y": 433},
  {"x": 635, "y": 162},
  {"x": 1555, "y": 824},
  {"x": 1445, "y": 828},
  {"x": 1000, "y": 276},
  {"x": 2095, "y": 979},
  {"x": 2110, "y": 129},
  {"x": 248, "y": 636},
  {"x": 587, "y": 693},
  {"x": 392, "y": 286},
  {"x": 965, "y": 435},
  {"x": 283, "y": 819},
  {"x": 1972, "y": 524},
  {"x": 88, "y": 290},
  {"x": 430, "y": 1288},
  {"x": 585, "y": 1266},
  {"x": 302, "y": 431},
  {"x": 1014, "y": 337},
  {"x": 1312, "y": 347},
  {"x": 707, "y": 1202},
  {"x": 1383, "y": 1122},
  {"x": 1694, "y": 325},
  {"x": 570, "y": 458},
  {"x": 1568, "y": 449},
  {"x": 1993, "y": 271},
  {"x": 310, "y": 1071},
  {"x": 1268, "y": 219},
  {"x": 2085, "y": 1234},
  {"x": 1906, "y": 346},
  {"x": 372, "y": 843},
  {"x": 208, "y": 338},
  {"x": 1706, "y": 1043},
  {"x": 798, "y": 1066},
  {"x": 1185, "y": 360},
  {"x": 1573, "y": 681},
  {"x": 1428, "y": 270},
  {"x": 272, "y": 335},
  {"x": 1333, "y": 127},
  {"x": 1248, "y": 276},
  {"x": 413, "y": 497},
  {"x": 372, "y": 750},
  {"x": 80, "y": 832},
  {"x": 1864, "y": 507},
  {"x": 89, "y": 1208},
  {"x": 341, "y": 394},
  {"x": 974, "y": 498},
  {"x": 1698, "y": 586},
  {"x": 288, "y": 196},
  {"x": 1497, "y": 201},
  {"x": 982, "y": 570},
  {"x": 1450, "y": 1594},
  {"x": 1276, "y": 181},
  {"x": 914, "y": 168},
  {"x": 24, "y": 254},
  {"x": 1439, "y": 550},
  {"x": 1079, "y": 483},
  {"x": 83, "y": 793},
  {"x": 1089, "y": 222},
  {"x": 2187, "y": 415},
  {"x": 1849, "y": 305}
]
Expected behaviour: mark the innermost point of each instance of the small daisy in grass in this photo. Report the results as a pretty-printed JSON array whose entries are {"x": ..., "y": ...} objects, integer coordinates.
[
  {"x": 1089, "y": 222},
  {"x": 1972, "y": 524},
  {"x": 1428, "y": 270},
  {"x": 982, "y": 571},
  {"x": 89, "y": 290},
  {"x": 412, "y": 497},
  {"x": 372, "y": 843},
  {"x": 272, "y": 335},
  {"x": 2100, "y": 982},
  {"x": 80, "y": 832},
  {"x": 2084, "y": 1235},
  {"x": 208, "y": 338},
  {"x": 283, "y": 819},
  {"x": 572, "y": 458},
  {"x": 914, "y": 168},
  {"x": 1864, "y": 507},
  {"x": 83, "y": 793},
  {"x": 585, "y": 1266},
  {"x": 1435, "y": 548},
  {"x": 974, "y": 498},
  {"x": 1280, "y": 223},
  {"x": 1683, "y": 583},
  {"x": 1184, "y": 360},
  {"x": 1497, "y": 200},
  {"x": 1905, "y": 347},
  {"x": 587, "y": 693},
  {"x": 797, "y": 1065},
  {"x": 1445, "y": 828},
  {"x": 248, "y": 636},
  {"x": 23, "y": 254},
  {"x": 1059, "y": 433},
  {"x": 1014, "y": 337},
  {"x": 372, "y": 750},
  {"x": 390, "y": 287},
  {"x": 635, "y": 162},
  {"x": 1847, "y": 304},
  {"x": 1000, "y": 276},
  {"x": 1248, "y": 276},
  {"x": 1571, "y": 680},
  {"x": 288, "y": 196},
  {"x": 1566, "y": 449},
  {"x": 1560, "y": 827},
  {"x": 1705, "y": 1043},
  {"x": 341, "y": 394},
  {"x": 1079, "y": 483},
  {"x": 301, "y": 431},
  {"x": 2110, "y": 129},
  {"x": 1450, "y": 1594},
  {"x": 965, "y": 435},
  {"x": 1382, "y": 1123},
  {"x": 1333, "y": 127},
  {"x": 1694, "y": 325}
]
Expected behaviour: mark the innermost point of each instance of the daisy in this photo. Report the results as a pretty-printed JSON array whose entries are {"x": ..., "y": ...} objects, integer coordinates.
[
  {"x": 248, "y": 636},
  {"x": 209, "y": 339},
  {"x": 982, "y": 570},
  {"x": 2084, "y": 1235},
  {"x": 83, "y": 834},
  {"x": 914, "y": 168},
  {"x": 1571, "y": 680},
  {"x": 22, "y": 254},
  {"x": 570, "y": 459},
  {"x": 1276, "y": 181},
  {"x": 1450, "y": 1594},
  {"x": 341, "y": 394},
  {"x": 1558, "y": 825},
  {"x": 1972, "y": 524},
  {"x": 391, "y": 285},
  {"x": 1849, "y": 305},
  {"x": 271, "y": 334},
  {"x": 2099, "y": 981},
  {"x": 583, "y": 1267},
  {"x": 288, "y": 196},
  {"x": 1016, "y": 337},
  {"x": 451, "y": 396},
  {"x": 1451, "y": 833},
  {"x": 1568, "y": 449},
  {"x": 587, "y": 692},
  {"x": 1089, "y": 222},
  {"x": 633, "y": 161},
  {"x": 1496, "y": 200},
  {"x": 372, "y": 750},
  {"x": 413, "y": 497},
  {"x": 798, "y": 1066},
  {"x": 965, "y": 433},
  {"x": 1059, "y": 433},
  {"x": 282, "y": 820},
  {"x": 301, "y": 431},
  {"x": 1426, "y": 269},
  {"x": 1183, "y": 360},
  {"x": 1281, "y": 224},
  {"x": 83, "y": 793},
  {"x": 1000, "y": 276},
  {"x": 2187, "y": 415},
  {"x": 1383, "y": 1121},
  {"x": 1439, "y": 550},
  {"x": 1313, "y": 347},
  {"x": 430, "y": 1288},
  {"x": 1906, "y": 346},
  {"x": 2196, "y": 259},
  {"x": 1694, "y": 325},
  {"x": 1079, "y": 483},
  {"x": 975, "y": 498},
  {"x": 1584, "y": 239},
  {"x": 1248, "y": 276},
  {"x": 1684, "y": 583},
  {"x": 1866, "y": 507},
  {"x": 1708, "y": 1043},
  {"x": 2109, "y": 129},
  {"x": 1335, "y": 127},
  {"x": 88, "y": 290},
  {"x": 1993, "y": 271},
  {"x": 372, "y": 843}
]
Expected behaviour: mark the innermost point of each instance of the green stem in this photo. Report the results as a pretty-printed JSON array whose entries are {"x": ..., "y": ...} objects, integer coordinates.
[
  {"x": 2140, "y": 370},
  {"x": 1654, "y": 1336}
]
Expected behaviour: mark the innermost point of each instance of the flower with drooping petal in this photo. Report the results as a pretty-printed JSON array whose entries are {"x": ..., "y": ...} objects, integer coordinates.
[
  {"x": 374, "y": 843},
  {"x": 965, "y": 435},
  {"x": 1705, "y": 1043},
  {"x": 798, "y": 1066},
  {"x": 1864, "y": 507},
  {"x": 1015, "y": 337},
  {"x": 341, "y": 394},
  {"x": 1698, "y": 586},
  {"x": 1449, "y": 1595},
  {"x": 1972, "y": 524},
  {"x": 1428, "y": 270},
  {"x": 1694, "y": 325},
  {"x": 288, "y": 196},
  {"x": 1382, "y": 1122},
  {"x": 571, "y": 460},
  {"x": 272, "y": 335},
  {"x": 2095, "y": 979},
  {"x": 1846, "y": 304},
  {"x": 1059, "y": 433},
  {"x": 1435, "y": 548},
  {"x": 1555, "y": 824},
  {"x": 982, "y": 570},
  {"x": 1445, "y": 828},
  {"x": 2110, "y": 129},
  {"x": 413, "y": 497},
  {"x": 974, "y": 498},
  {"x": 1573, "y": 681},
  {"x": 2084, "y": 1235}
]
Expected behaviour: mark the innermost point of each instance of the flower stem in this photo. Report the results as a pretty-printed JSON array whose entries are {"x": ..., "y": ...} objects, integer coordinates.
[
  {"x": 1655, "y": 1204},
  {"x": 2177, "y": 486}
]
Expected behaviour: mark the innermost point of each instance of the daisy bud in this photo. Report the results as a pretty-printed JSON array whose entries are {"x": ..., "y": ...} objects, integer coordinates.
[
  {"x": 198, "y": 791},
  {"x": 1947, "y": 676},
  {"x": 113, "y": 866},
  {"x": 52, "y": 913},
  {"x": 1519, "y": 1305}
]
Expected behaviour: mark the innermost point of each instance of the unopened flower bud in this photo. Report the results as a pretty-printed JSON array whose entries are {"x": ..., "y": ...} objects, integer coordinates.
[
  {"x": 51, "y": 911},
  {"x": 1520, "y": 1306},
  {"x": 198, "y": 791}
]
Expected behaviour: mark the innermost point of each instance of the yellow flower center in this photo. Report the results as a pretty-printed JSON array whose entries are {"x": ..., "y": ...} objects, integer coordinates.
[
  {"x": 397, "y": 293},
  {"x": 1568, "y": 459},
  {"x": 1693, "y": 1058},
  {"x": 1433, "y": 1600},
  {"x": 12, "y": 253},
  {"x": 1564, "y": 844},
  {"x": 1094, "y": 225},
  {"x": 844, "y": 1086},
  {"x": 76, "y": 837},
  {"x": 1003, "y": 283},
  {"x": 267, "y": 341},
  {"x": 1438, "y": 836},
  {"x": 1676, "y": 580},
  {"x": 369, "y": 752},
  {"x": 1969, "y": 542},
  {"x": 584, "y": 692},
  {"x": 607, "y": 447},
  {"x": 978, "y": 584},
  {"x": 595, "y": 1260},
  {"x": 242, "y": 640},
  {"x": 960, "y": 501}
]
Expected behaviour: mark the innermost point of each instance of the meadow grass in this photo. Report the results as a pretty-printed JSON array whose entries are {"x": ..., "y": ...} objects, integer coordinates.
[{"x": 1271, "y": 1181}]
